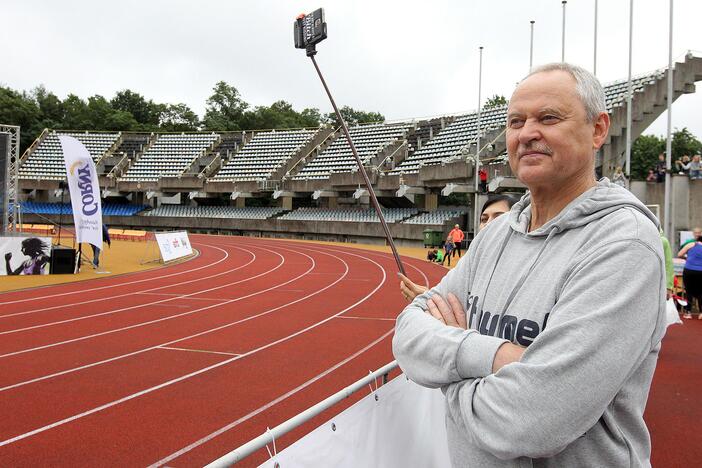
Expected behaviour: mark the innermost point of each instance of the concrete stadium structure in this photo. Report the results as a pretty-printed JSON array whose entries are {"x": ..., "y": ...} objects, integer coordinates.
[{"x": 410, "y": 163}]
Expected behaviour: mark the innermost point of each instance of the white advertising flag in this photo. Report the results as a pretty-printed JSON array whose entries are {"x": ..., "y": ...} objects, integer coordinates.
[{"x": 84, "y": 187}]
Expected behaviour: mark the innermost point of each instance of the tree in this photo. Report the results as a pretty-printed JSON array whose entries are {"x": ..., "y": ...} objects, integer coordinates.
[
  {"x": 76, "y": 113},
  {"x": 146, "y": 113},
  {"x": 684, "y": 143},
  {"x": 279, "y": 115},
  {"x": 354, "y": 117},
  {"x": 496, "y": 100},
  {"x": 225, "y": 108},
  {"x": 19, "y": 109},
  {"x": 644, "y": 155},
  {"x": 178, "y": 118}
]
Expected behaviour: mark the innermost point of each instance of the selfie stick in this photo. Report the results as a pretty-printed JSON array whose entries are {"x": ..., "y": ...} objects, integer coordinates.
[{"x": 311, "y": 53}]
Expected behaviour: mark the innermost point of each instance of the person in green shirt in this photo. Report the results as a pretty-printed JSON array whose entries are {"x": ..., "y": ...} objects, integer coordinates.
[{"x": 439, "y": 256}]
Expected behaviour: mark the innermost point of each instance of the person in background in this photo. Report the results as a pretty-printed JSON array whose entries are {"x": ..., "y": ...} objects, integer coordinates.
[
  {"x": 96, "y": 250},
  {"x": 618, "y": 177},
  {"x": 494, "y": 206},
  {"x": 457, "y": 236},
  {"x": 692, "y": 275},
  {"x": 439, "y": 256},
  {"x": 483, "y": 180},
  {"x": 651, "y": 177},
  {"x": 660, "y": 168},
  {"x": 696, "y": 233},
  {"x": 695, "y": 167},
  {"x": 448, "y": 249},
  {"x": 431, "y": 255},
  {"x": 682, "y": 165}
]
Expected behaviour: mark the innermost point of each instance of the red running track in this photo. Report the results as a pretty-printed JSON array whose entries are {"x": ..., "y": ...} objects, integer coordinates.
[{"x": 179, "y": 365}]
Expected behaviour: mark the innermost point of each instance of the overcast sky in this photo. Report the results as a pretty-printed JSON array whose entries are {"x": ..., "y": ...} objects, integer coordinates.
[{"x": 405, "y": 59}]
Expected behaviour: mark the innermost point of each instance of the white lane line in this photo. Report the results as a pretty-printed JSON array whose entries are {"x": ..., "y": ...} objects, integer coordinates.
[
  {"x": 133, "y": 353},
  {"x": 197, "y": 351},
  {"x": 138, "y": 306},
  {"x": 263, "y": 408},
  {"x": 198, "y": 372},
  {"x": 82, "y": 291},
  {"x": 111, "y": 297},
  {"x": 184, "y": 296},
  {"x": 141, "y": 324},
  {"x": 366, "y": 318}
]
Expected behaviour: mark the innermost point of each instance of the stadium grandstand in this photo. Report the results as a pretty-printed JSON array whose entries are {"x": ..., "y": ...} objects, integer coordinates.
[{"x": 306, "y": 175}]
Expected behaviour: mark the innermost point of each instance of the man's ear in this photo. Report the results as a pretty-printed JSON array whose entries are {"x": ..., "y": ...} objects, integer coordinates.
[{"x": 601, "y": 129}]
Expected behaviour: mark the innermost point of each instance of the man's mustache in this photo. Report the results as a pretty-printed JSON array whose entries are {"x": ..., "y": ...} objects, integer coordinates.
[{"x": 534, "y": 148}]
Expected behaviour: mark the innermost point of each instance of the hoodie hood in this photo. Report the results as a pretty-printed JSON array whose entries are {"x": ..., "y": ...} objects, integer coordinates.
[{"x": 601, "y": 200}]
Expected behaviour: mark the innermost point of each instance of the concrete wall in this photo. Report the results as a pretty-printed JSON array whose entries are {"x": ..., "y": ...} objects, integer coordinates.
[{"x": 686, "y": 196}]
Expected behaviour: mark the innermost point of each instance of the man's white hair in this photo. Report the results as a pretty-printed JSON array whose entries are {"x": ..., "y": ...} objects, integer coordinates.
[{"x": 587, "y": 86}]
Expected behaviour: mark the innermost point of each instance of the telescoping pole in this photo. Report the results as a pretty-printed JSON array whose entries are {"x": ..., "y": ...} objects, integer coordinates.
[{"x": 361, "y": 169}]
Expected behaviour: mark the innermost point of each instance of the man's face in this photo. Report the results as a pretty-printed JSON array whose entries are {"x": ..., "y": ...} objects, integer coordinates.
[
  {"x": 549, "y": 138},
  {"x": 697, "y": 233}
]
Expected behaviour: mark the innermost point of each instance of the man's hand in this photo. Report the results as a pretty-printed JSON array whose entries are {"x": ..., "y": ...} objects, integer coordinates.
[
  {"x": 449, "y": 312},
  {"x": 409, "y": 289}
]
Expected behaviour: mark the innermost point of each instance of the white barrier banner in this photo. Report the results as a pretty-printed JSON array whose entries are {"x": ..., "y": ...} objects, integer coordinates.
[
  {"x": 25, "y": 255},
  {"x": 173, "y": 245},
  {"x": 84, "y": 187},
  {"x": 404, "y": 427}
]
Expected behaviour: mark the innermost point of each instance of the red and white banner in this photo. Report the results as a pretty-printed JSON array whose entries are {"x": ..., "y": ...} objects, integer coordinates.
[
  {"x": 173, "y": 245},
  {"x": 84, "y": 187},
  {"x": 404, "y": 427},
  {"x": 25, "y": 255}
]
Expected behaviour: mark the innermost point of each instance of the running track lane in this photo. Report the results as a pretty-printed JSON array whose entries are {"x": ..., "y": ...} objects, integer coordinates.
[{"x": 226, "y": 391}]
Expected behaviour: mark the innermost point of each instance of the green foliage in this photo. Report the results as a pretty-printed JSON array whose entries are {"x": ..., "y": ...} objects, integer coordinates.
[
  {"x": 225, "y": 108},
  {"x": 496, "y": 100},
  {"x": 146, "y": 113},
  {"x": 685, "y": 143},
  {"x": 178, "y": 118},
  {"x": 644, "y": 155},
  {"x": 646, "y": 148},
  {"x": 353, "y": 117}
]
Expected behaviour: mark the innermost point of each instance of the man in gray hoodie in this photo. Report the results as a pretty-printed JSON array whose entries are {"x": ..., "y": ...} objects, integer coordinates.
[{"x": 545, "y": 336}]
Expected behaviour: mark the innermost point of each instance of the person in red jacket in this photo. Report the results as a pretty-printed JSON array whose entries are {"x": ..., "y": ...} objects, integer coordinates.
[
  {"x": 457, "y": 236},
  {"x": 483, "y": 180}
]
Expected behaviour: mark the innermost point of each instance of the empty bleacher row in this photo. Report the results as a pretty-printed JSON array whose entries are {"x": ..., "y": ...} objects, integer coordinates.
[
  {"x": 46, "y": 161},
  {"x": 436, "y": 217},
  {"x": 452, "y": 139},
  {"x": 392, "y": 215},
  {"x": 170, "y": 156},
  {"x": 260, "y": 157},
  {"x": 181, "y": 211},
  {"x": 108, "y": 209},
  {"x": 616, "y": 93},
  {"x": 369, "y": 140}
]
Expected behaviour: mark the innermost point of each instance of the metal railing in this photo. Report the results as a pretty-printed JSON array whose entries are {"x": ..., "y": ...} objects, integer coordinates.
[{"x": 270, "y": 435}]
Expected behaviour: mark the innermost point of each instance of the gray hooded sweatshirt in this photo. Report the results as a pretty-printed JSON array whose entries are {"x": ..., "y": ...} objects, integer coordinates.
[{"x": 585, "y": 293}]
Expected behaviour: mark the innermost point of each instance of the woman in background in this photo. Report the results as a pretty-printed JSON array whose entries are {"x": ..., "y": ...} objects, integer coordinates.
[
  {"x": 692, "y": 275},
  {"x": 493, "y": 208}
]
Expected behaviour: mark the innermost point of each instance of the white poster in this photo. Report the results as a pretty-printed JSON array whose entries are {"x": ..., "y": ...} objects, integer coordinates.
[
  {"x": 173, "y": 245},
  {"x": 685, "y": 236},
  {"x": 25, "y": 255},
  {"x": 84, "y": 187},
  {"x": 404, "y": 427}
]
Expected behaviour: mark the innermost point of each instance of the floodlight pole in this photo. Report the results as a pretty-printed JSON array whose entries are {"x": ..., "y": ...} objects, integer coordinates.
[
  {"x": 594, "y": 59},
  {"x": 531, "y": 46},
  {"x": 629, "y": 92},
  {"x": 374, "y": 200},
  {"x": 563, "y": 32},
  {"x": 476, "y": 175},
  {"x": 668, "y": 222}
]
